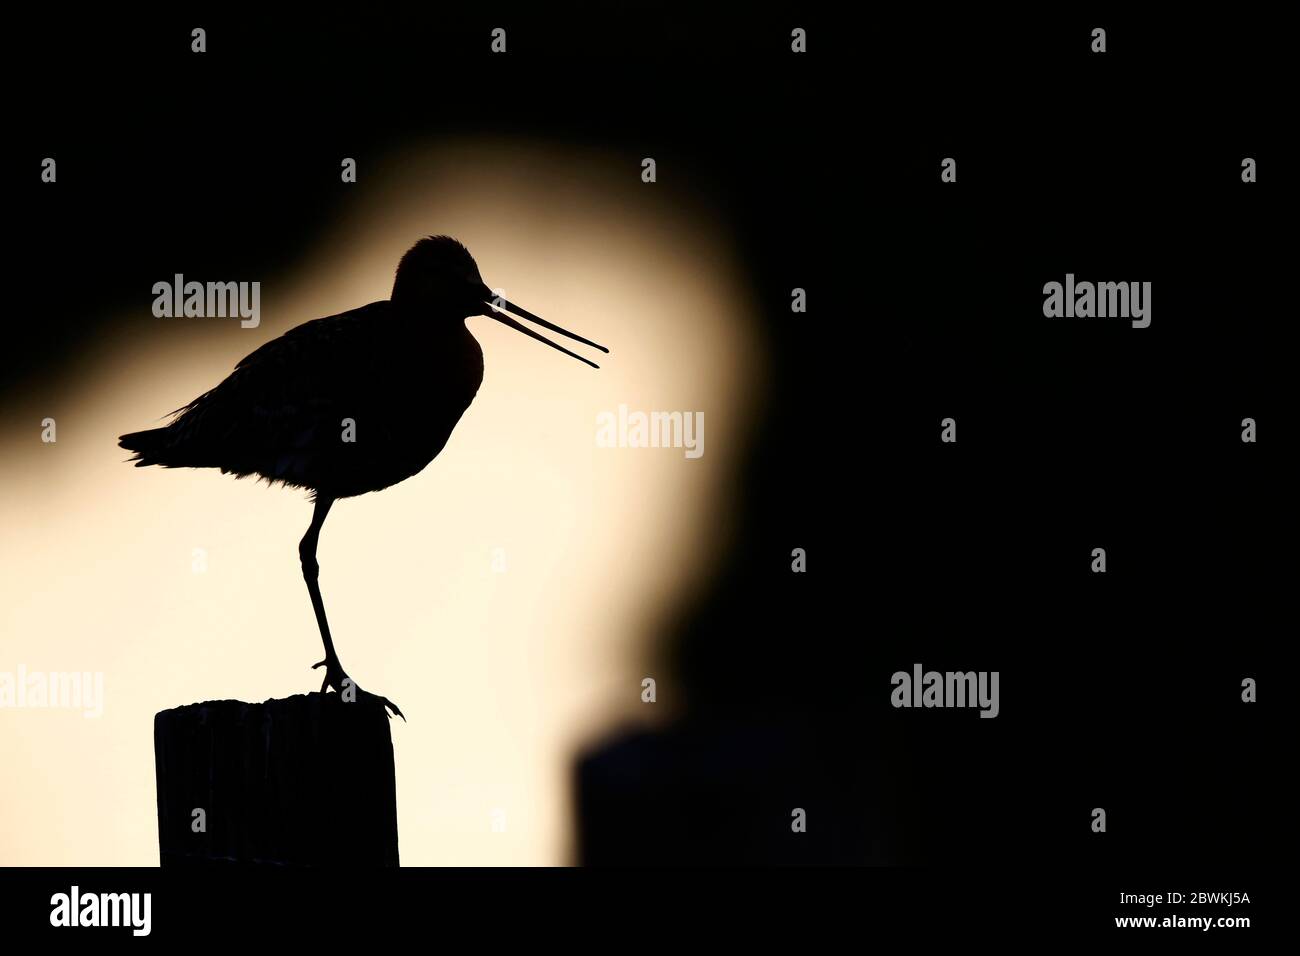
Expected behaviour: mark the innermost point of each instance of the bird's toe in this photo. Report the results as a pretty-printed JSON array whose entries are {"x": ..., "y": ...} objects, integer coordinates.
[
  {"x": 334, "y": 677},
  {"x": 389, "y": 705},
  {"x": 337, "y": 678}
]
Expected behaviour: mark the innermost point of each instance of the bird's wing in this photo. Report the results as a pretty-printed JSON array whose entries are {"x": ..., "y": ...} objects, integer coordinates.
[
  {"x": 319, "y": 338},
  {"x": 285, "y": 402}
]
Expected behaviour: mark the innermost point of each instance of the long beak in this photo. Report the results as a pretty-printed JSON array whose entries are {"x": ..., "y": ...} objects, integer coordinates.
[{"x": 497, "y": 304}]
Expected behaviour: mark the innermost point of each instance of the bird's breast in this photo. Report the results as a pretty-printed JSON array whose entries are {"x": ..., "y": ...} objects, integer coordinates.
[{"x": 429, "y": 390}]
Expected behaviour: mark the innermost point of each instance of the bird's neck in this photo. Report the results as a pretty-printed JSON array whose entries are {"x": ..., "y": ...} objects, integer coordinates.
[{"x": 424, "y": 313}]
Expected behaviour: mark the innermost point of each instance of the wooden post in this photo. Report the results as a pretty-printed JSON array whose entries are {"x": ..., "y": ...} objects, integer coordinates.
[{"x": 304, "y": 781}]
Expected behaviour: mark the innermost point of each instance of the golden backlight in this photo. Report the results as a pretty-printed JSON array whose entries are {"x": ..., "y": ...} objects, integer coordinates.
[{"x": 509, "y": 598}]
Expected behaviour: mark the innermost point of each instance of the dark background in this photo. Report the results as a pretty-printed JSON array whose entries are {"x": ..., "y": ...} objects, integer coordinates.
[{"x": 1119, "y": 690}]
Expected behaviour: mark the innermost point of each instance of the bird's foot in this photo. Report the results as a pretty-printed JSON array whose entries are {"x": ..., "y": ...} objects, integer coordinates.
[{"x": 350, "y": 690}]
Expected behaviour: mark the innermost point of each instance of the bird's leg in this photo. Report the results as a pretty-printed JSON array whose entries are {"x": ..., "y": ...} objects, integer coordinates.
[
  {"x": 335, "y": 676},
  {"x": 311, "y": 574}
]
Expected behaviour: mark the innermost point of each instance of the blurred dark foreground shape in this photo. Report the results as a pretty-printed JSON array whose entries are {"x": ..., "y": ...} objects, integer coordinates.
[{"x": 304, "y": 781}]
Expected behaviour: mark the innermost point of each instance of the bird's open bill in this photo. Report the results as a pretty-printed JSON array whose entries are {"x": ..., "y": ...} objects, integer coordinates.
[{"x": 497, "y": 305}]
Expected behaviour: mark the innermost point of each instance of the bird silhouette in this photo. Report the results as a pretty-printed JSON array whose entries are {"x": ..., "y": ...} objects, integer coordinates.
[{"x": 348, "y": 404}]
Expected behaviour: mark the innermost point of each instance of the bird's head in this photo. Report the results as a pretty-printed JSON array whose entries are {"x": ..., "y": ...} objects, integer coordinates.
[{"x": 438, "y": 275}]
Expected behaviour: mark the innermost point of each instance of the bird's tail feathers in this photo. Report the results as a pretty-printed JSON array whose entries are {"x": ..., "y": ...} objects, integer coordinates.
[{"x": 146, "y": 445}]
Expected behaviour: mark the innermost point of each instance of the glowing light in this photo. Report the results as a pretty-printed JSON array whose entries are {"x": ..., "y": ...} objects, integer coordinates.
[{"x": 513, "y": 621}]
